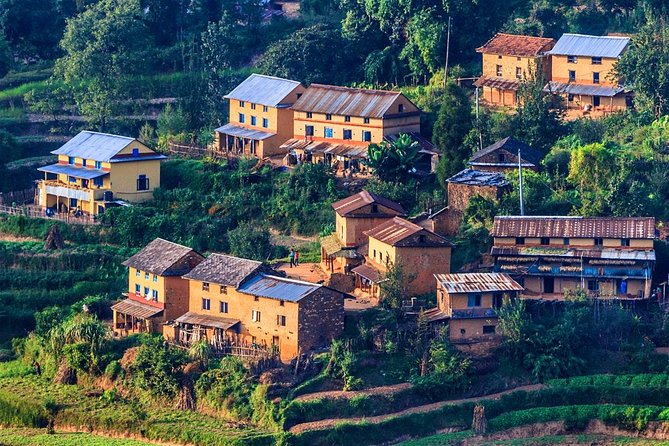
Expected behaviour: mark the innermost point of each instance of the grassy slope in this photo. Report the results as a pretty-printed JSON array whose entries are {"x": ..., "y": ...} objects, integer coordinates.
[{"x": 39, "y": 437}]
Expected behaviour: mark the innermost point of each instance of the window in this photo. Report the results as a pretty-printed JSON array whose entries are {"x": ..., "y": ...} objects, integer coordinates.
[
  {"x": 387, "y": 259},
  {"x": 347, "y": 118},
  {"x": 253, "y": 120},
  {"x": 488, "y": 329},
  {"x": 253, "y": 106},
  {"x": 497, "y": 300},
  {"x": 365, "y": 120},
  {"x": 309, "y": 130},
  {"x": 154, "y": 294},
  {"x": 328, "y": 117},
  {"x": 328, "y": 132},
  {"x": 400, "y": 108},
  {"x": 549, "y": 285},
  {"x": 572, "y": 59},
  {"x": 224, "y": 307},
  {"x": 70, "y": 160},
  {"x": 135, "y": 152},
  {"x": 281, "y": 320},
  {"x": 498, "y": 70},
  {"x": 146, "y": 276},
  {"x": 73, "y": 202},
  {"x": 565, "y": 241},
  {"x": 241, "y": 104},
  {"x": 572, "y": 76},
  {"x": 501, "y": 158},
  {"x": 519, "y": 73},
  {"x": 310, "y": 115},
  {"x": 138, "y": 273},
  {"x": 224, "y": 289},
  {"x": 265, "y": 109},
  {"x": 596, "y": 60},
  {"x": 599, "y": 241},
  {"x": 520, "y": 240},
  {"x": 421, "y": 238},
  {"x": 474, "y": 300},
  {"x": 146, "y": 291},
  {"x": 570, "y": 97},
  {"x": 256, "y": 298},
  {"x": 282, "y": 303},
  {"x": 596, "y": 101},
  {"x": 72, "y": 179},
  {"x": 83, "y": 163},
  {"x": 138, "y": 289},
  {"x": 205, "y": 286},
  {"x": 255, "y": 315},
  {"x": 499, "y": 56},
  {"x": 545, "y": 241},
  {"x": 375, "y": 208},
  {"x": 593, "y": 285},
  {"x": 595, "y": 78},
  {"x": 625, "y": 242},
  {"x": 97, "y": 181},
  {"x": 299, "y": 95},
  {"x": 206, "y": 304},
  {"x": 241, "y": 118},
  {"x": 142, "y": 183},
  {"x": 98, "y": 164},
  {"x": 155, "y": 278},
  {"x": 366, "y": 136},
  {"x": 348, "y": 134},
  {"x": 265, "y": 122},
  {"x": 375, "y": 253}
]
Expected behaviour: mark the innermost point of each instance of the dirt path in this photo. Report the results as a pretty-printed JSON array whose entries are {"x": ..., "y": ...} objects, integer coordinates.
[
  {"x": 340, "y": 394},
  {"x": 323, "y": 424}
]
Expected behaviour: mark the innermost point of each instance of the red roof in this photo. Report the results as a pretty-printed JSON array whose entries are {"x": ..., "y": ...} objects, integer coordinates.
[
  {"x": 363, "y": 198},
  {"x": 516, "y": 45},
  {"x": 398, "y": 232}
]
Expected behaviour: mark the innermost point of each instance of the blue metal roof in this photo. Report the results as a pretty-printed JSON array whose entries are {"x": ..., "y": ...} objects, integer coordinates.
[
  {"x": 79, "y": 172},
  {"x": 264, "y": 90},
  {"x": 590, "y": 46},
  {"x": 473, "y": 177},
  {"x": 243, "y": 132},
  {"x": 94, "y": 146},
  {"x": 278, "y": 288}
]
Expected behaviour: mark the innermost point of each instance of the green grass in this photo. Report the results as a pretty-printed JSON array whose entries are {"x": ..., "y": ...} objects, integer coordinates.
[
  {"x": 39, "y": 437},
  {"x": 20, "y": 90}
]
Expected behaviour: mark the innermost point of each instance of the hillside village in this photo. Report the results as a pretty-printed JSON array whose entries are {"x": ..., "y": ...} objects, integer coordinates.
[{"x": 476, "y": 258}]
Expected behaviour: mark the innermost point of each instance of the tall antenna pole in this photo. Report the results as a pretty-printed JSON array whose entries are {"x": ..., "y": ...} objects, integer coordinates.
[
  {"x": 520, "y": 178},
  {"x": 448, "y": 46}
]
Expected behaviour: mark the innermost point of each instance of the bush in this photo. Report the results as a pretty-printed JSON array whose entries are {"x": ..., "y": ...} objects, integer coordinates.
[
  {"x": 113, "y": 370},
  {"x": 227, "y": 388},
  {"x": 157, "y": 368}
]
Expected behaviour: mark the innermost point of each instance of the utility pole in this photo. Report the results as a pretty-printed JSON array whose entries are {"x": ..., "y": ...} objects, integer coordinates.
[
  {"x": 520, "y": 179},
  {"x": 477, "y": 120},
  {"x": 448, "y": 46}
]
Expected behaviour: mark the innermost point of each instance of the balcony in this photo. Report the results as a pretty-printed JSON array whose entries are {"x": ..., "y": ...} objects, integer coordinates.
[
  {"x": 574, "y": 270},
  {"x": 72, "y": 190},
  {"x": 473, "y": 313}
]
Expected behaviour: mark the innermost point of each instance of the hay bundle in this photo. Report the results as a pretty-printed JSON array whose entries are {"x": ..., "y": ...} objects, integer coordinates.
[
  {"x": 480, "y": 423},
  {"x": 186, "y": 399},
  {"x": 128, "y": 358},
  {"x": 65, "y": 374},
  {"x": 54, "y": 240}
]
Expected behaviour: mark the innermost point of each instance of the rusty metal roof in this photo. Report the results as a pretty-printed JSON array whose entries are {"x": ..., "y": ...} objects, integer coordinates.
[
  {"x": 368, "y": 272},
  {"x": 590, "y": 46},
  {"x": 477, "y": 282},
  {"x": 364, "y": 198},
  {"x": 577, "y": 227},
  {"x": 346, "y": 101},
  {"x": 136, "y": 309},
  {"x": 497, "y": 82},
  {"x": 224, "y": 270},
  {"x": 516, "y": 45},
  {"x": 472, "y": 177},
  {"x": 264, "y": 90},
  {"x": 163, "y": 258},
  {"x": 527, "y": 153},
  {"x": 206, "y": 320},
  {"x": 324, "y": 147},
  {"x": 278, "y": 288},
  {"x": 399, "y": 232}
]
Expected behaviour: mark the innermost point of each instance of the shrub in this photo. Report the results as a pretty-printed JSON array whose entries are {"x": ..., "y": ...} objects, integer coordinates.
[
  {"x": 113, "y": 370},
  {"x": 227, "y": 388},
  {"x": 157, "y": 368}
]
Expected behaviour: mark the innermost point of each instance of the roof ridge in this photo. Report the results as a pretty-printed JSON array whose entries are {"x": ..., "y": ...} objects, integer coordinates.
[
  {"x": 108, "y": 134},
  {"x": 290, "y": 280},
  {"x": 274, "y": 77},
  {"x": 364, "y": 90}
]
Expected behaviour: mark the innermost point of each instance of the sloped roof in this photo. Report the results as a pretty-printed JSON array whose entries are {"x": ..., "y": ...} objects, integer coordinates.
[
  {"x": 264, "y": 90},
  {"x": 243, "y": 132},
  {"x": 279, "y": 288},
  {"x": 368, "y": 272},
  {"x": 94, "y": 145},
  {"x": 224, "y": 270},
  {"x": 79, "y": 172},
  {"x": 588, "y": 90},
  {"x": 353, "y": 151},
  {"x": 136, "y": 309},
  {"x": 497, "y": 82},
  {"x": 161, "y": 257},
  {"x": 577, "y": 227},
  {"x": 363, "y": 198},
  {"x": 472, "y": 177},
  {"x": 477, "y": 282},
  {"x": 397, "y": 230},
  {"x": 590, "y": 46},
  {"x": 207, "y": 320},
  {"x": 516, "y": 45},
  {"x": 331, "y": 99},
  {"x": 527, "y": 153}
]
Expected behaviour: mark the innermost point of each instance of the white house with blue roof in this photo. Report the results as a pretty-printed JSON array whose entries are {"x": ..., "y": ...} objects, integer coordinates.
[{"x": 96, "y": 171}]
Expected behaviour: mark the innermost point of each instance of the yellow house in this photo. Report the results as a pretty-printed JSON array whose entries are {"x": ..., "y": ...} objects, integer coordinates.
[
  {"x": 507, "y": 60},
  {"x": 260, "y": 117},
  {"x": 96, "y": 171},
  {"x": 156, "y": 291},
  {"x": 419, "y": 252},
  {"x": 581, "y": 72},
  {"x": 335, "y": 125},
  {"x": 242, "y": 306},
  {"x": 468, "y": 303},
  {"x": 604, "y": 257}
]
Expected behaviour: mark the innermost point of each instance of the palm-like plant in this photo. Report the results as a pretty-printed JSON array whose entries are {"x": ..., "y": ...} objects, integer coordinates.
[{"x": 393, "y": 161}]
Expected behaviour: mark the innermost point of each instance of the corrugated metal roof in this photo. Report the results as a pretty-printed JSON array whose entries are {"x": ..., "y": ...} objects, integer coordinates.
[
  {"x": 243, "y": 132},
  {"x": 278, "y": 288},
  {"x": 590, "y": 46},
  {"x": 368, "y": 272},
  {"x": 516, "y": 45},
  {"x": 605, "y": 253},
  {"x": 363, "y": 198},
  {"x": 346, "y": 101},
  {"x": 477, "y": 282},
  {"x": 577, "y": 227},
  {"x": 224, "y": 270},
  {"x": 397, "y": 231},
  {"x": 162, "y": 257},
  {"x": 472, "y": 177},
  {"x": 588, "y": 90},
  {"x": 497, "y": 82},
  {"x": 511, "y": 145},
  {"x": 205, "y": 320},
  {"x": 94, "y": 146},
  {"x": 323, "y": 147},
  {"x": 79, "y": 172},
  {"x": 264, "y": 90},
  {"x": 425, "y": 145},
  {"x": 136, "y": 309}
]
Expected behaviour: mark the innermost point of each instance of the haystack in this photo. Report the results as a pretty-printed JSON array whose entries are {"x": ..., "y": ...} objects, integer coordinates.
[{"x": 54, "y": 240}]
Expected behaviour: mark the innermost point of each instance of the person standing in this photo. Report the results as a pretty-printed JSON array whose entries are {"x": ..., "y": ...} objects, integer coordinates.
[
  {"x": 297, "y": 257},
  {"x": 291, "y": 256}
]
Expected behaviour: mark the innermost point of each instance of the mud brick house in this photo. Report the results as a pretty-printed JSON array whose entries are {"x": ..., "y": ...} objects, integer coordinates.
[
  {"x": 156, "y": 291},
  {"x": 354, "y": 216},
  {"x": 239, "y": 304},
  {"x": 461, "y": 188},
  {"x": 502, "y": 157},
  {"x": 420, "y": 253},
  {"x": 508, "y": 59},
  {"x": 604, "y": 257},
  {"x": 468, "y": 303}
]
